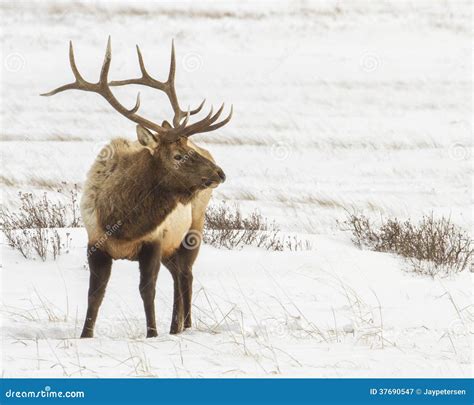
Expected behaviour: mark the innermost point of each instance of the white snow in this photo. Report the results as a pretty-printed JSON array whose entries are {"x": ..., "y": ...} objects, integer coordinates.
[
  {"x": 337, "y": 105},
  {"x": 335, "y": 311}
]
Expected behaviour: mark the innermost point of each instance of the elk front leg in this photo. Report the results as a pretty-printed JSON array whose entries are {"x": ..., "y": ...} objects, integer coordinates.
[
  {"x": 100, "y": 265},
  {"x": 186, "y": 256},
  {"x": 187, "y": 288},
  {"x": 149, "y": 263},
  {"x": 177, "y": 318},
  {"x": 181, "y": 268}
]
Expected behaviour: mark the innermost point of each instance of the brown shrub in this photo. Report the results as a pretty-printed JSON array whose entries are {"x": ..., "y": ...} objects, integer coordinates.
[
  {"x": 431, "y": 246},
  {"x": 31, "y": 229},
  {"x": 227, "y": 227}
]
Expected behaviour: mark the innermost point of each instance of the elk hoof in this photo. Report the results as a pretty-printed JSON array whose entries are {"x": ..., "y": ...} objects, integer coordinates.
[
  {"x": 176, "y": 328},
  {"x": 151, "y": 333},
  {"x": 87, "y": 334}
]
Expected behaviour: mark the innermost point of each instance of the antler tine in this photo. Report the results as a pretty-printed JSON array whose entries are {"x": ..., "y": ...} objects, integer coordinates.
[
  {"x": 72, "y": 62},
  {"x": 137, "y": 105},
  {"x": 172, "y": 71},
  {"x": 222, "y": 123},
  {"x": 217, "y": 114},
  {"x": 78, "y": 84},
  {"x": 206, "y": 126},
  {"x": 141, "y": 63},
  {"x": 171, "y": 90},
  {"x": 167, "y": 87},
  {"x": 104, "y": 72},
  {"x": 196, "y": 110},
  {"x": 70, "y": 86},
  {"x": 201, "y": 126},
  {"x": 186, "y": 119}
]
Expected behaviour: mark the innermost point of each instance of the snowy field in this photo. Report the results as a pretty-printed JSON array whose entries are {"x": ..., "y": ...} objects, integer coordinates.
[{"x": 337, "y": 105}]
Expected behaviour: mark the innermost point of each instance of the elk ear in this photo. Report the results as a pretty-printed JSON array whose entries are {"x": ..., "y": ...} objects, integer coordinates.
[
  {"x": 166, "y": 124},
  {"x": 146, "y": 138}
]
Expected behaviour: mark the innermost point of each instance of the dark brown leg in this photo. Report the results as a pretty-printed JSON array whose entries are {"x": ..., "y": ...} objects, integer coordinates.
[
  {"x": 186, "y": 258},
  {"x": 180, "y": 265},
  {"x": 177, "y": 319},
  {"x": 100, "y": 265},
  {"x": 149, "y": 263},
  {"x": 187, "y": 288}
]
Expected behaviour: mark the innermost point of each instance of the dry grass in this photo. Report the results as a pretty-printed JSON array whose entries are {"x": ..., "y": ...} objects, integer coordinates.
[
  {"x": 227, "y": 227},
  {"x": 41, "y": 242},
  {"x": 431, "y": 246},
  {"x": 42, "y": 212},
  {"x": 32, "y": 229},
  {"x": 6, "y": 181},
  {"x": 42, "y": 183}
]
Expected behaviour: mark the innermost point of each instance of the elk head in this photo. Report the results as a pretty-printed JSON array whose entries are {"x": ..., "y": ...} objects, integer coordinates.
[
  {"x": 180, "y": 166},
  {"x": 177, "y": 163}
]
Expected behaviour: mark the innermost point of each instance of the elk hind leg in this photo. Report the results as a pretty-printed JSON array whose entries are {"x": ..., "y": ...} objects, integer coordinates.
[
  {"x": 100, "y": 265},
  {"x": 177, "y": 318}
]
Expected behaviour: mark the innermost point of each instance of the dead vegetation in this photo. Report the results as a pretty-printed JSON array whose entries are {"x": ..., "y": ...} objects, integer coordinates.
[
  {"x": 431, "y": 245},
  {"x": 226, "y": 227},
  {"x": 32, "y": 229}
]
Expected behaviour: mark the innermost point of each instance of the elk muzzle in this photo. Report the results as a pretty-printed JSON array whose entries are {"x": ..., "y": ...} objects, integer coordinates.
[{"x": 213, "y": 181}]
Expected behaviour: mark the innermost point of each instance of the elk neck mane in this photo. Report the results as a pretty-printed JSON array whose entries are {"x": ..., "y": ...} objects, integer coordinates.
[{"x": 133, "y": 191}]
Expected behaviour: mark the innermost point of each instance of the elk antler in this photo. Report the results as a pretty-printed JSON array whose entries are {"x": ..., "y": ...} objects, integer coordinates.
[
  {"x": 102, "y": 88},
  {"x": 168, "y": 88}
]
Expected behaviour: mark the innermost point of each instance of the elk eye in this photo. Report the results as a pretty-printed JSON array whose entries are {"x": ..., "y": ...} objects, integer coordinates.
[{"x": 177, "y": 157}]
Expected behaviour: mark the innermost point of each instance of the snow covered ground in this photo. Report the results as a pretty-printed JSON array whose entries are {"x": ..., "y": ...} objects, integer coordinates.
[
  {"x": 338, "y": 105},
  {"x": 332, "y": 312}
]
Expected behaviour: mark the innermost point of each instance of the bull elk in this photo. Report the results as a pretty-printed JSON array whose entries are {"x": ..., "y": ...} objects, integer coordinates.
[{"x": 145, "y": 201}]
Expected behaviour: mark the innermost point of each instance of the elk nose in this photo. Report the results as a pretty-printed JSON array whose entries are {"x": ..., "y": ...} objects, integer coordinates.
[{"x": 221, "y": 174}]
